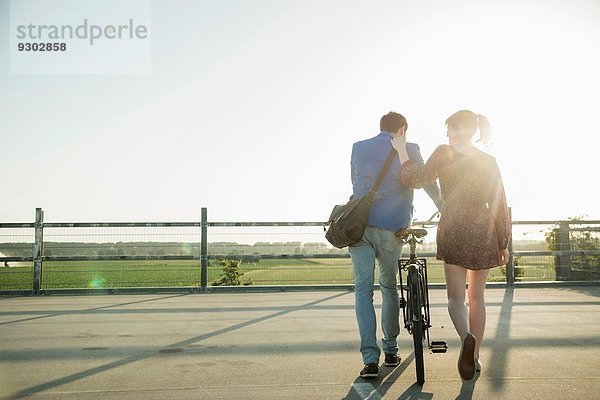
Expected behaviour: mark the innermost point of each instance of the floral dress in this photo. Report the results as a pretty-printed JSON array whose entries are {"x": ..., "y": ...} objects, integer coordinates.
[{"x": 474, "y": 224}]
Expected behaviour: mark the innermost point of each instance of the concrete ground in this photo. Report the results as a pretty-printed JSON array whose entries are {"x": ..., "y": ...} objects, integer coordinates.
[{"x": 541, "y": 343}]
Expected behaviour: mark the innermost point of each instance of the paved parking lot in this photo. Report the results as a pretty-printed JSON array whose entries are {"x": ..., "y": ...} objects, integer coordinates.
[{"x": 541, "y": 343}]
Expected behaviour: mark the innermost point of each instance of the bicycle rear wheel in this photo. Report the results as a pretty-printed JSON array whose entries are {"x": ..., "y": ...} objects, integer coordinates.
[{"x": 417, "y": 323}]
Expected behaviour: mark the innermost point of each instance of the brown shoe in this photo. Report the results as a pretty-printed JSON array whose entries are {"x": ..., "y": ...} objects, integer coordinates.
[{"x": 466, "y": 360}]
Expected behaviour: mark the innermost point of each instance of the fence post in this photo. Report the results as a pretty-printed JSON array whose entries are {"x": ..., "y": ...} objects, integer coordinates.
[
  {"x": 510, "y": 265},
  {"x": 38, "y": 251},
  {"x": 563, "y": 270},
  {"x": 204, "y": 250}
]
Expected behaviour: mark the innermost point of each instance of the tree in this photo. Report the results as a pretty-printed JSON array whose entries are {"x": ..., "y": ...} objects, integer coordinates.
[{"x": 583, "y": 266}]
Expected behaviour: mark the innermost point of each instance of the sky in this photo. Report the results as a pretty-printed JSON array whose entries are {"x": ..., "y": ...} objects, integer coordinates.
[{"x": 250, "y": 108}]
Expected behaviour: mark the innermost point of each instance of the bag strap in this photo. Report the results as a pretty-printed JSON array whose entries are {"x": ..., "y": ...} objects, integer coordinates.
[{"x": 388, "y": 163}]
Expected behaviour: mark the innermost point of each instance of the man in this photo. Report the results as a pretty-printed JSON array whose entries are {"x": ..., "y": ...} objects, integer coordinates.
[{"x": 391, "y": 210}]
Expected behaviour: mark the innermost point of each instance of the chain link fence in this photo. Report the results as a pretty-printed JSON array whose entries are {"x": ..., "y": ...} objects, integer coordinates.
[{"x": 101, "y": 256}]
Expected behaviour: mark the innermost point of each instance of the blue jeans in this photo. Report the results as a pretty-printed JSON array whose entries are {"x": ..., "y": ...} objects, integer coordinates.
[{"x": 381, "y": 245}]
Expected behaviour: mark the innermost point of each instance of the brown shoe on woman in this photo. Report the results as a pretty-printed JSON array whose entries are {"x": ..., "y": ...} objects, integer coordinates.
[{"x": 466, "y": 360}]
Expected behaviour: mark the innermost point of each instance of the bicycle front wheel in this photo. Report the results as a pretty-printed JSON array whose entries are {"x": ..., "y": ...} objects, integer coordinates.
[{"x": 417, "y": 325}]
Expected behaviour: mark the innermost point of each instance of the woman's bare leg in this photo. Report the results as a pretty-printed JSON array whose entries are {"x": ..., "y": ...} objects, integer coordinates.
[
  {"x": 477, "y": 315},
  {"x": 455, "y": 286}
]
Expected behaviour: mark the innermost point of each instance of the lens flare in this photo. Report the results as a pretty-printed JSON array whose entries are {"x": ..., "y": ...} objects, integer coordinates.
[
  {"x": 96, "y": 283},
  {"x": 186, "y": 249}
]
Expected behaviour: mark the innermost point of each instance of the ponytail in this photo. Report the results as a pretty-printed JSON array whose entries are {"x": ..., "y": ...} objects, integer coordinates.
[
  {"x": 485, "y": 130},
  {"x": 469, "y": 121}
]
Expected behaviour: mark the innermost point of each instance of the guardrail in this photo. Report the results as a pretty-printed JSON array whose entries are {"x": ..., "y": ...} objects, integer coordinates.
[{"x": 566, "y": 259}]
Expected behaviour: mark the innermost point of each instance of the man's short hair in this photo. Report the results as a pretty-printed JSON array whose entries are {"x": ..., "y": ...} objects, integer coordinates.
[{"x": 392, "y": 121}]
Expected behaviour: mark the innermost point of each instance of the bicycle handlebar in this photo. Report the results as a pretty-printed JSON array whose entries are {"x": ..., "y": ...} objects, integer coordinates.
[
  {"x": 428, "y": 223},
  {"x": 430, "y": 220}
]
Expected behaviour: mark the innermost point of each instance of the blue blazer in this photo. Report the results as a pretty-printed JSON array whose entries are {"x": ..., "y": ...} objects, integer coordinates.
[{"x": 393, "y": 205}]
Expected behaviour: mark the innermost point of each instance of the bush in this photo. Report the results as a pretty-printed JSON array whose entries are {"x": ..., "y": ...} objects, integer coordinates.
[
  {"x": 519, "y": 270},
  {"x": 231, "y": 274}
]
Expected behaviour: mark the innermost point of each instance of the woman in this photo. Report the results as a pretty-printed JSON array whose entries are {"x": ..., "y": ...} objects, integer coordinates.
[{"x": 473, "y": 231}]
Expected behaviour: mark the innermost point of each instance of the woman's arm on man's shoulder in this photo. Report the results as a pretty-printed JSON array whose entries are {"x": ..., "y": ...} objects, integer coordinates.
[{"x": 416, "y": 174}]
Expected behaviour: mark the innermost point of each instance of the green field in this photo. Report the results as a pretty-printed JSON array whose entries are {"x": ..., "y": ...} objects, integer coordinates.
[{"x": 125, "y": 274}]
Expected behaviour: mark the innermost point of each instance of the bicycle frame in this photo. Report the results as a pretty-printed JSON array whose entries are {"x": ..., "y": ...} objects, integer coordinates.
[
  {"x": 416, "y": 268},
  {"x": 415, "y": 307}
]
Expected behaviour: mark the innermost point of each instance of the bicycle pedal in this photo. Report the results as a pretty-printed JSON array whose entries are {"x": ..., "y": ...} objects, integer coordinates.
[{"x": 438, "y": 346}]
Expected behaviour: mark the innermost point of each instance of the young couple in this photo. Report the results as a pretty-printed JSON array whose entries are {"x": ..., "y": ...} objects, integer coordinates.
[{"x": 472, "y": 235}]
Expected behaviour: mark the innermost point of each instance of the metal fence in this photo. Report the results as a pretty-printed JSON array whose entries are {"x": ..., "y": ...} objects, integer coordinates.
[{"x": 46, "y": 256}]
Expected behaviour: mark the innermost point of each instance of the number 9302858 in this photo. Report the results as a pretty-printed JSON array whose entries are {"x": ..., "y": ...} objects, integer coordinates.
[{"x": 42, "y": 46}]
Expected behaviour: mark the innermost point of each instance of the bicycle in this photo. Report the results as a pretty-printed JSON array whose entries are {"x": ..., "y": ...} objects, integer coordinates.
[{"x": 415, "y": 307}]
